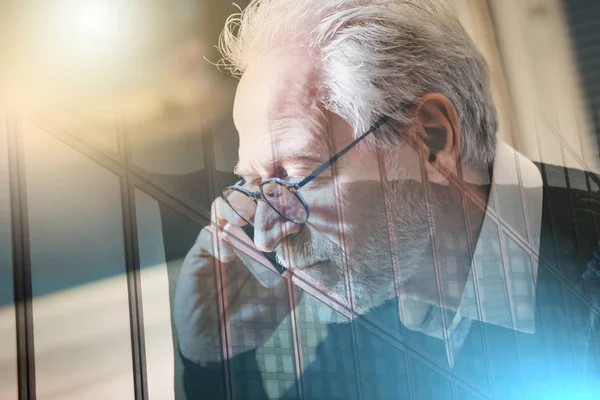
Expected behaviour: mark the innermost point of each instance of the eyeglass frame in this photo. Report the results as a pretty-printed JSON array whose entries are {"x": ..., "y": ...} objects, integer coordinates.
[{"x": 295, "y": 187}]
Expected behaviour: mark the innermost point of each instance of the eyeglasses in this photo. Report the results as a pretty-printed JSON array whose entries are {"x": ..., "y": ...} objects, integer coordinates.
[{"x": 280, "y": 195}]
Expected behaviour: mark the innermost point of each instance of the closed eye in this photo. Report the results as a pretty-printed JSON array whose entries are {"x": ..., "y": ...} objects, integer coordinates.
[{"x": 280, "y": 172}]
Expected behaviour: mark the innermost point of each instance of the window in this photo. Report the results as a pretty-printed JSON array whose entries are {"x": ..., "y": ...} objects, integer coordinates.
[{"x": 103, "y": 194}]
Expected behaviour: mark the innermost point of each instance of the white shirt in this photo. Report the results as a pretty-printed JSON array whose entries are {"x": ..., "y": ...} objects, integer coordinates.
[{"x": 500, "y": 287}]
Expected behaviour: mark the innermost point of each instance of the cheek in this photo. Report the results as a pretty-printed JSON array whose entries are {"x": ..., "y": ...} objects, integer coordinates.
[
  {"x": 324, "y": 209},
  {"x": 324, "y": 220},
  {"x": 359, "y": 166},
  {"x": 344, "y": 209},
  {"x": 363, "y": 207}
]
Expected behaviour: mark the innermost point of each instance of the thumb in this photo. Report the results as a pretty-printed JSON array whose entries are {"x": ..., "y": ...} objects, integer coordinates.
[
  {"x": 217, "y": 246},
  {"x": 254, "y": 260}
]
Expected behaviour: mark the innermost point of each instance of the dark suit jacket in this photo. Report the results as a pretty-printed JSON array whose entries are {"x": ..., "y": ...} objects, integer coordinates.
[{"x": 561, "y": 360}]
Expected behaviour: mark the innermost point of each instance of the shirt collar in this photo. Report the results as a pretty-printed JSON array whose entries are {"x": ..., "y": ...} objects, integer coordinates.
[{"x": 500, "y": 287}]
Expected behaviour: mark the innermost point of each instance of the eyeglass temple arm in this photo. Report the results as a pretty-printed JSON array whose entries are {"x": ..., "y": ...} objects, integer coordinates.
[{"x": 346, "y": 149}]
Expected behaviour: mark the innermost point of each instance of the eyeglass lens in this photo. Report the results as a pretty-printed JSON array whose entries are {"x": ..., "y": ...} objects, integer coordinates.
[
  {"x": 284, "y": 201},
  {"x": 275, "y": 194},
  {"x": 241, "y": 203}
]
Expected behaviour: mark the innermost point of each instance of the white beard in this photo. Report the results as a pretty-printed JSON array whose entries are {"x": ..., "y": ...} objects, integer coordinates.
[{"x": 373, "y": 269}]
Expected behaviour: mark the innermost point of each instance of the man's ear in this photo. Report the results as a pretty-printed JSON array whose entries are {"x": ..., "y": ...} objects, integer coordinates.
[{"x": 437, "y": 135}]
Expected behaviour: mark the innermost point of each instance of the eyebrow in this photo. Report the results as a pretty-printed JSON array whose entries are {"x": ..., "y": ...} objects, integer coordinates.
[
  {"x": 320, "y": 152},
  {"x": 310, "y": 161}
]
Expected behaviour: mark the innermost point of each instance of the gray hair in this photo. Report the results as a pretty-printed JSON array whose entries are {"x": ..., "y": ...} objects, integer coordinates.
[{"x": 374, "y": 56}]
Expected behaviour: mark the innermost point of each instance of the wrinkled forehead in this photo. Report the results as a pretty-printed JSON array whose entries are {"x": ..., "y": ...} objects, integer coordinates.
[{"x": 277, "y": 111}]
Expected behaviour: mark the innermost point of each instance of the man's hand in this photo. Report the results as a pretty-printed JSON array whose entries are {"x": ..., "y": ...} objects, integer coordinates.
[{"x": 225, "y": 279}]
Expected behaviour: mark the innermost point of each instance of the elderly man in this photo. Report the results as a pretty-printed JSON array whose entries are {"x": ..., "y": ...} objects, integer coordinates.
[{"x": 372, "y": 186}]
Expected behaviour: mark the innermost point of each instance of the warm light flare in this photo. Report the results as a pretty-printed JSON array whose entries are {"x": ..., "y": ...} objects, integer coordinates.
[
  {"x": 96, "y": 21},
  {"x": 92, "y": 25}
]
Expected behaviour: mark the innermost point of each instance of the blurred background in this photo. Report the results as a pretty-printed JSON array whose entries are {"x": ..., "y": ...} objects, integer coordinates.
[{"x": 116, "y": 134}]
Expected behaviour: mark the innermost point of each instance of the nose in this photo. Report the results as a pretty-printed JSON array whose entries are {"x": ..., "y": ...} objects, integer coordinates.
[{"x": 271, "y": 228}]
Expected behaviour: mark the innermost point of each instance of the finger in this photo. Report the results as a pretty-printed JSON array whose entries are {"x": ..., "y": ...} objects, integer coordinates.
[
  {"x": 210, "y": 243},
  {"x": 222, "y": 213},
  {"x": 253, "y": 259},
  {"x": 222, "y": 250}
]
